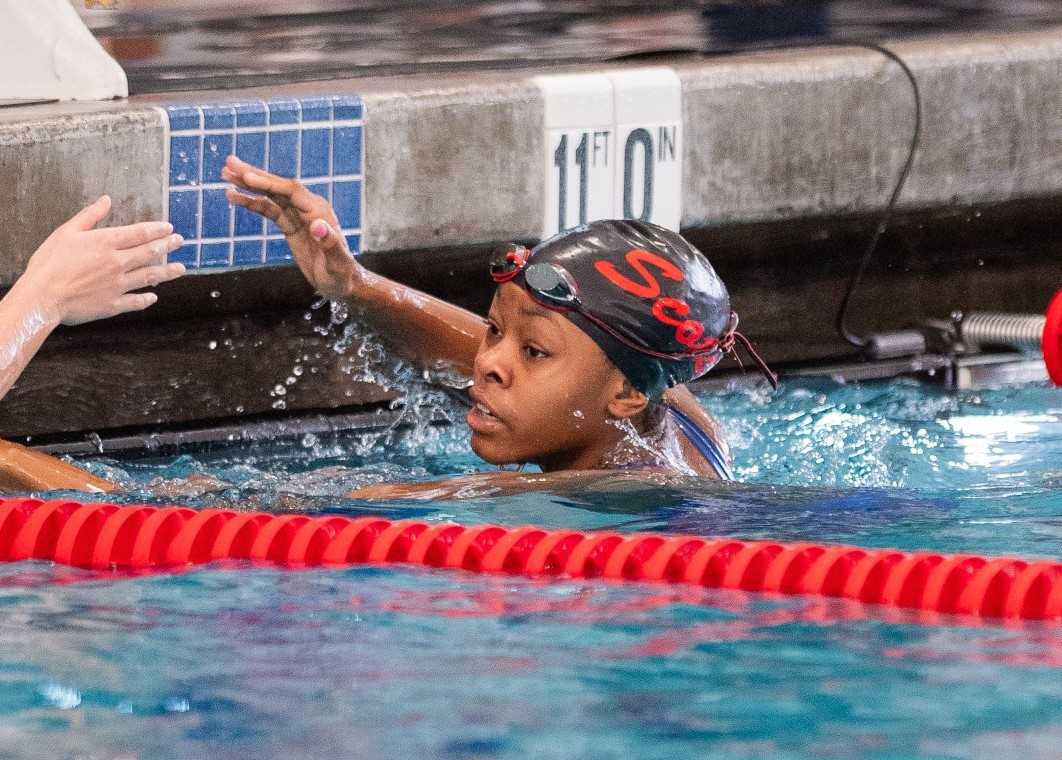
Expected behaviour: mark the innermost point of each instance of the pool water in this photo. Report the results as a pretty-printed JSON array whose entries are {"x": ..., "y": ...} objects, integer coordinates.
[{"x": 400, "y": 662}]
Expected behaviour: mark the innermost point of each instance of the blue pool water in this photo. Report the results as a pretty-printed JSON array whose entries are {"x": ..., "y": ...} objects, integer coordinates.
[{"x": 393, "y": 662}]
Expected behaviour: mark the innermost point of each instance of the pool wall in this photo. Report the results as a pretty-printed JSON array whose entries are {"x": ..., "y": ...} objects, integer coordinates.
[{"x": 453, "y": 163}]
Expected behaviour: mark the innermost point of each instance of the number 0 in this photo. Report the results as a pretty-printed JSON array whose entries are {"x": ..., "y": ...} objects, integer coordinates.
[{"x": 637, "y": 137}]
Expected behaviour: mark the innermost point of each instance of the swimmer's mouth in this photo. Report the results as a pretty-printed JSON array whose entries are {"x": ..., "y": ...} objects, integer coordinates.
[{"x": 485, "y": 410}]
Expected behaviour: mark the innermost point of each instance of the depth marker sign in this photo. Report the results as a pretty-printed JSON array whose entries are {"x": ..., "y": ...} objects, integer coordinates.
[{"x": 613, "y": 148}]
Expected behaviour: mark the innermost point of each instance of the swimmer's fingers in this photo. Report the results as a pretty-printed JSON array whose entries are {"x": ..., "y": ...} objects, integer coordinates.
[
  {"x": 328, "y": 238},
  {"x": 248, "y": 177},
  {"x": 260, "y": 204},
  {"x": 92, "y": 214},
  {"x": 152, "y": 252},
  {"x": 132, "y": 302},
  {"x": 149, "y": 277},
  {"x": 134, "y": 235}
]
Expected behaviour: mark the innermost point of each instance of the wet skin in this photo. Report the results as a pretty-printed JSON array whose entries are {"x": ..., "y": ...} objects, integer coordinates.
[{"x": 544, "y": 392}]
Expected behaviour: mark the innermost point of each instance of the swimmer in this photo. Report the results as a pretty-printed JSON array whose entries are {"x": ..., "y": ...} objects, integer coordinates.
[
  {"x": 580, "y": 365},
  {"x": 79, "y": 274}
]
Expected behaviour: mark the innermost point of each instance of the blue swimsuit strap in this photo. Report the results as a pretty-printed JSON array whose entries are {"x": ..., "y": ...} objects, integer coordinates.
[{"x": 704, "y": 443}]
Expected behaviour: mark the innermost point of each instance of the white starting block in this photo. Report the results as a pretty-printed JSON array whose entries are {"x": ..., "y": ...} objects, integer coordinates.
[{"x": 47, "y": 53}]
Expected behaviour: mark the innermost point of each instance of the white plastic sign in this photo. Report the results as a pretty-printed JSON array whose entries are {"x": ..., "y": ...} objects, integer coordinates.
[{"x": 613, "y": 148}]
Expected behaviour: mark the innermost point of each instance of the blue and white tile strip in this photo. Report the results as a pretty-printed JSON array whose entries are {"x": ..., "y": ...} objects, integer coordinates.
[{"x": 318, "y": 140}]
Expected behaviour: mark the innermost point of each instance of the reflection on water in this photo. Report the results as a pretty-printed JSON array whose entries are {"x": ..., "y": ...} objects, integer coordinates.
[
  {"x": 187, "y": 44},
  {"x": 234, "y": 661}
]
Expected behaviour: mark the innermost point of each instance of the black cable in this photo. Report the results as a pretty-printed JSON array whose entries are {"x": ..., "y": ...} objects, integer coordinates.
[
  {"x": 886, "y": 216},
  {"x": 916, "y": 134}
]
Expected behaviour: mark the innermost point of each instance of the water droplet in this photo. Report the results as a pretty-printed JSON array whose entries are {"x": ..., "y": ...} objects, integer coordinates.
[
  {"x": 289, "y": 380},
  {"x": 239, "y": 409},
  {"x": 308, "y": 316},
  {"x": 297, "y": 370},
  {"x": 96, "y": 441},
  {"x": 280, "y": 404},
  {"x": 175, "y": 704},
  {"x": 578, "y": 413},
  {"x": 309, "y": 441},
  {"x": 183, "y": 155},
  {"x": 212, "y": 345},
  {"x": 63, "y": 697},
  {"x": 125, "y": 708},
  {"x": 279, "y": 390},
  {"x": 215, "y": 294},
  {"x": 213, "y": 147}
]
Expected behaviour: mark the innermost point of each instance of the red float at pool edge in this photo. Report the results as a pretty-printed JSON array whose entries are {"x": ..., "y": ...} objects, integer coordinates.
[
  {"x": 105, "y": 536},
  {"x": 1052, "y": 339}
]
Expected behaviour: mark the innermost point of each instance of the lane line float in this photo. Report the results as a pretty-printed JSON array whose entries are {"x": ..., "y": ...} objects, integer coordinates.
[{"x": 109, "y": 537}]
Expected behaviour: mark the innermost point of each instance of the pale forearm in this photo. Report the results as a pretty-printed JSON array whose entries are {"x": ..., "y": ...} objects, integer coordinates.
[{"x": 26, "y": 320}]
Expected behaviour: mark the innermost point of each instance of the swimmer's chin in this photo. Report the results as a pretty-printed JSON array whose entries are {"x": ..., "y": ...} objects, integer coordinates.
[{"x": 493, "y": 454}]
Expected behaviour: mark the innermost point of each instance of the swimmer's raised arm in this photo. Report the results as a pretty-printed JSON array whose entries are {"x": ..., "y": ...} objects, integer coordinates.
[
  {"x": 80, "y": 274},
  {"x": 422, "y": 328}
]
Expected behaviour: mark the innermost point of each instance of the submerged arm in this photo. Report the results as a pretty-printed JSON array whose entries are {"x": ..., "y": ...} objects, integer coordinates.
[{"x": 424, "y": 329}]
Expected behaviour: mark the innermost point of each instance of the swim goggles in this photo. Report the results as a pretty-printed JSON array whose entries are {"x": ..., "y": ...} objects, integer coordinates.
[{"x": 553, "y": 287}]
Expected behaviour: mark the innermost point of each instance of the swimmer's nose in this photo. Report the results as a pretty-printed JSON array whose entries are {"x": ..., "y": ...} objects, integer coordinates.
[{"x": 490, "y": 366}]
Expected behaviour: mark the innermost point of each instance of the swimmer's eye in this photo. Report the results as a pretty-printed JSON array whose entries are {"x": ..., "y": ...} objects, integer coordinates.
[
  {"x": 533, "y": 352},
  {"x": 492, "y": 329}
]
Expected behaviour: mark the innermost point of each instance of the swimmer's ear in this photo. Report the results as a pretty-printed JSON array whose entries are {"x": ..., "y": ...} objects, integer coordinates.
[{"x": 625, "y": 401}]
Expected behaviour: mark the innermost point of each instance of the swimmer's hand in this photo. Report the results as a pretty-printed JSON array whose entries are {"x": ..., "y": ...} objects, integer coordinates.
[
  {"x": 307, "y": 220},
  {"x": 82, "y": 274}
]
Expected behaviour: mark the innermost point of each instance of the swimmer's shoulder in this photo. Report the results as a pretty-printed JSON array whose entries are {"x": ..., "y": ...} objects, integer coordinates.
[{"x": 682, "y": 400}]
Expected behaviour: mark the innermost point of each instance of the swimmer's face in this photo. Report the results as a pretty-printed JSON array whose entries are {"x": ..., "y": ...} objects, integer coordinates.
[{"x": 543, "y": 391}]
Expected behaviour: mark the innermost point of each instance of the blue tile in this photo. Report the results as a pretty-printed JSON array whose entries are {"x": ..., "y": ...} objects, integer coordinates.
[
  {"x": 316, "y": 109},
  {"x": 272, "y": 230},
  {"x": 215, "y": 255},
  {"x": 282, "y": 149},
  {"x": 183, "y": 118},
  {"x": 186, "y": 254},
  {"x": 315, "y": 152},
  {"x": 346, "y": 150},
  {"x": 284, "y": 112},
  {"x": 346, "y": 107},
  {"x": 277, "y": 251},
  {"x": 248, "y": 252},
  {"x": 346, "y": 200},
  {"x": 215, "y": 149},
  {"x": 219, "y": 117},
  {"x": 184, "y": 213},
  {"x": 324, "y": 189},
  {"x": 215, "y": 214},
  {"x": 354, "y": 244},
  {"x": 250, "y": 114},
  {"x": 248, "y": 222},
  {"x": 184, "y": 160},
  {"x": 250, "y": 146}
]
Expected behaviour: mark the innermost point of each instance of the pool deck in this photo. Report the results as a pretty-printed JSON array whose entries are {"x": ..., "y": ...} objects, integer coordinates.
[{"x": 457, "y": 160}]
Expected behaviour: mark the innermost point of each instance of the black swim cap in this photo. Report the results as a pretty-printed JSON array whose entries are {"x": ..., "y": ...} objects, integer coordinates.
[{"x": 648, "y": 298}]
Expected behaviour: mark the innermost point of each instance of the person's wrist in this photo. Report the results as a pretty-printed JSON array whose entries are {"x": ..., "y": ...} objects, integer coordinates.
[{"x": 39, "y": 293}]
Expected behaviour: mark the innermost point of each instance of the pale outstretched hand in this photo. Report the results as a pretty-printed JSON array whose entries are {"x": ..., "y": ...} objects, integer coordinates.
[
  {"x": 306, "y": 219},
  {"x": 87, "y": 274}
]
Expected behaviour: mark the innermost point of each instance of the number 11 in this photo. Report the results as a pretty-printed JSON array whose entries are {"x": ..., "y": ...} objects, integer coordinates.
[{"x": 560, "y": 160}]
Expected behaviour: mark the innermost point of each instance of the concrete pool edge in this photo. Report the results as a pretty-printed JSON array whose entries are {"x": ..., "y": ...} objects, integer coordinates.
[{"x": 457, "y": 159}]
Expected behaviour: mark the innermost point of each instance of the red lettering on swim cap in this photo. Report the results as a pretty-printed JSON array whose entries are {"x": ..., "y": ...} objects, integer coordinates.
[
  {"x": 650, "y": 288},
  {"x": 661, "y": 306}
]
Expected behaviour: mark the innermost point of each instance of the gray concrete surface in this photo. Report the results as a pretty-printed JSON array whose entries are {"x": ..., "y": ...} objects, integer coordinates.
[
  {"x": 56, "y": 159},
  {"x": 458, "y": 159}
]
